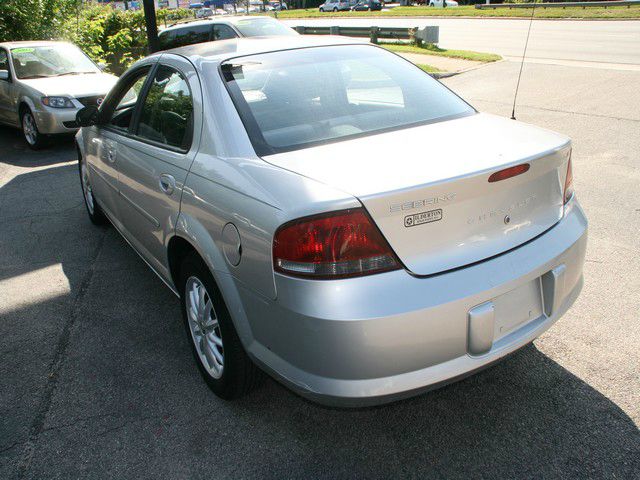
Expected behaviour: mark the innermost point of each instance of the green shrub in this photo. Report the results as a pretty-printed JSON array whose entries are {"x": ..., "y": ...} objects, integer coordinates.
[
  {"x": 34, "y": 19},
  {"x": 115, "y": 37}
]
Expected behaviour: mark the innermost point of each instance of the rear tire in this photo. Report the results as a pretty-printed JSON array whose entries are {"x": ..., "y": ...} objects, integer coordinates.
[
  {"x": 96, "y": 215},
  {"x": 228, "y": 371},
  {"x": 30, "y": 132}
]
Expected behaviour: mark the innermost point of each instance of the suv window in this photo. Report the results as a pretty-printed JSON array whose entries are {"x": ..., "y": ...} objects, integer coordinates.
[
  {"x": 122, "y": 114},
  {"x": 4, "y": 60},
  {"x": 180, "y": 37},
  {"x": 223, "y": 32},
  {"x": 167, "y": 112}
]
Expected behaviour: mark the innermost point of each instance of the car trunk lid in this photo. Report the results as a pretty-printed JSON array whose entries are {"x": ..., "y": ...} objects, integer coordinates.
[{"x": 427, "y": 188}]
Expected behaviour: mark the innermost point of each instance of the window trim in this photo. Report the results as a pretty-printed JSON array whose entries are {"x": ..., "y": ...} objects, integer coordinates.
[{"x": 133, "y": 127}]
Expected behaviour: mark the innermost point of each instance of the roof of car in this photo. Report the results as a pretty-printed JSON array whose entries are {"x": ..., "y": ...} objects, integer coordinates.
[
  {"x": 31, "y": 43},
  {"x": 233, "y": 19},
  {"x": 223, "y": 49}
]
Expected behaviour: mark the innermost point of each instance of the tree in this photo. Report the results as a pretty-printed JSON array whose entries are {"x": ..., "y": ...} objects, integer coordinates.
[{"x": 34, "y": 19}]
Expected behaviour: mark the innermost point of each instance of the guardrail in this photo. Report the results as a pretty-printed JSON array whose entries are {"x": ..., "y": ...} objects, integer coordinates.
[
  {"x": 420, "y": 35},
  {"x": 612, "y": 3}
]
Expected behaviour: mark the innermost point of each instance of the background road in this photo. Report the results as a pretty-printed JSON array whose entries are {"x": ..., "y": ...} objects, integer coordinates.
[
  {"x": 616, "y": 44},
  {"x": 98, "y": 380}
]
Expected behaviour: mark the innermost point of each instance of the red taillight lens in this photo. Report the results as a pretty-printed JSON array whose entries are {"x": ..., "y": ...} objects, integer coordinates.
[
  {"x": 338, "y": 244},
  {"x": 568, "y": 183},
  {"x": 509, "y": 172}
]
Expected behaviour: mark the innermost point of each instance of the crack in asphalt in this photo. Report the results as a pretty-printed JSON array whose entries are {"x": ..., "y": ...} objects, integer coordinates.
[
  {"x": 59, "y": 356},
  {"x": 558, "y": 110}
]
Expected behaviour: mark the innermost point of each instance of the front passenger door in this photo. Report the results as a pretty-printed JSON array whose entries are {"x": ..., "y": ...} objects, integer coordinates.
[
  {"x": 103, "y": 140},
  {"x": 154, "y": 160}
]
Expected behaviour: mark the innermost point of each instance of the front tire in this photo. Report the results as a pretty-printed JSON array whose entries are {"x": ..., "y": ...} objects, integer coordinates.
[
  {"x": 215, "y": 344},
  {"x": 96, "y": 215},
  {"x": 30, "y": 132},
  {"x": 322, "y": 9}
]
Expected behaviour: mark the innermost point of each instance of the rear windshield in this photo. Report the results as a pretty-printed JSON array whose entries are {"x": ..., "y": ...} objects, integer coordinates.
[{"x": 294, "y": 99}]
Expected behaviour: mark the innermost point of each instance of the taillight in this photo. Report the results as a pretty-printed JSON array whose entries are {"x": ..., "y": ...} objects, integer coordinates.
[
  {"x": 338, "y": 244},
  {"x": 568, "y": 183}
]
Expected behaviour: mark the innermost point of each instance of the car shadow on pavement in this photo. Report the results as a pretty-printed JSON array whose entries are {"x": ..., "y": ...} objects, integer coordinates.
[
  {"x": 98, "y": 379},
  {"x": 15, "y": 150}
]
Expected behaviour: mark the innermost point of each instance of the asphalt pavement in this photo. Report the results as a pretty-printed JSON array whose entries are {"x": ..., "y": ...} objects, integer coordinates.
[
  {"x": 597, "y": 43},
  {"x": 98, "y": 380}
]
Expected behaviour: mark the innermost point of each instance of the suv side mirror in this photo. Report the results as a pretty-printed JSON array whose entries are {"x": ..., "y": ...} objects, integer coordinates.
[
  {"x": 87, "y": 116},
  {"x": 4, "y": 75}
]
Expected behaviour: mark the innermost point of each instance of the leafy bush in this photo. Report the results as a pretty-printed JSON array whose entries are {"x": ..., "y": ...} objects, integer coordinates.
[
  {"x": 115, "y": 37},
  {"x": 34, "y": 19}
]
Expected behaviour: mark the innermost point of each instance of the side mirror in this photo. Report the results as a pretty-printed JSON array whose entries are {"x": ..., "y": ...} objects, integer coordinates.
[
  {"x": 87, "y": 116},
  {"x": 4, "y": 75},
  {"x": 102, "y": 66}
]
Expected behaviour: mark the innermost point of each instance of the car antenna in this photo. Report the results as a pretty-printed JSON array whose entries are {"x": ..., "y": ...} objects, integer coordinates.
[{"x": 524, "y": 54}]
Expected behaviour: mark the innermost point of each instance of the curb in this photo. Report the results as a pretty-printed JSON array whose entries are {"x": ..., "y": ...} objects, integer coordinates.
[
  {"x": 439, "y": 75},
  {"x": 428, "y": 17}
]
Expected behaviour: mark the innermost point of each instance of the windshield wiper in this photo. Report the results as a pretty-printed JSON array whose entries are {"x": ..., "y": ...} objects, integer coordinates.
[
  {"x": 70, "y": 73},
  {"x": 35, "y": 76}
]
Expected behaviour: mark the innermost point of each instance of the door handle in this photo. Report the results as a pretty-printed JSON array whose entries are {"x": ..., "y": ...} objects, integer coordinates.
[
  {"x": 167, "y": 183},
  {"x": 111, "y": 155}
]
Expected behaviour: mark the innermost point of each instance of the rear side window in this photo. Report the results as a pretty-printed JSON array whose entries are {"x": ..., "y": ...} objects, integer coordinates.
[
  {"x": 180, "y": 37},
  {"x": 223, "y": 32},
  {"x": 167, "y": 113}
]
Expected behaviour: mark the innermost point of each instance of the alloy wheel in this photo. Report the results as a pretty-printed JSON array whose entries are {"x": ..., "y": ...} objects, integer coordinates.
[
  {"x": 29, "y": 128},
  {"x": 86, "y": 188},
  {"x": 204, "y": 327}
]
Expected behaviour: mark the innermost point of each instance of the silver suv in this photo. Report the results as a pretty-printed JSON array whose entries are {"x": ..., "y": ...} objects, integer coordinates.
[{"x": 222, "y": 29}]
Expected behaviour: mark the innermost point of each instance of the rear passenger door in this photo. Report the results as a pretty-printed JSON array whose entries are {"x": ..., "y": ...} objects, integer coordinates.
[{"x": 154, "y": 159}]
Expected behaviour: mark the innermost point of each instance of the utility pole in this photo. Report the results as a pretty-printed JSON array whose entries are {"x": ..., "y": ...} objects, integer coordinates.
[{"x": 152, "y": 27}]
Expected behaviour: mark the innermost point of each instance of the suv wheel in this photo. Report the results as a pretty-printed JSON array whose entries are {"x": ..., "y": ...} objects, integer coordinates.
[{"x": 219, "y": 354}]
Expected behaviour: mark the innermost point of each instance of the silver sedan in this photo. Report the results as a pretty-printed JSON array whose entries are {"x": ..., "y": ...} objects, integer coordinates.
[
  {"x": 332, "y": 215},
  {"x": 44, "y": 84}
]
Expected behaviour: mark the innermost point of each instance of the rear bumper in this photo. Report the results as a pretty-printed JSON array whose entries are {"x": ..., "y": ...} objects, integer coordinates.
[{"x": 380, "y": 338}]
